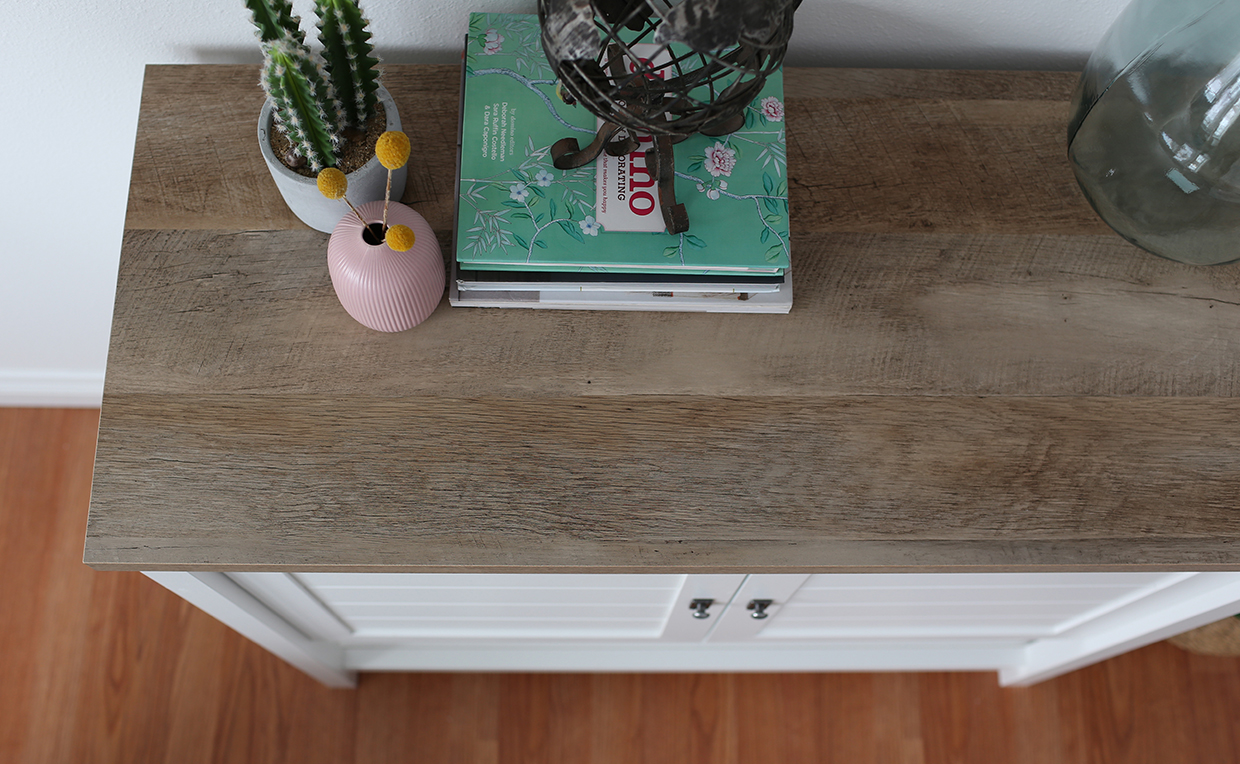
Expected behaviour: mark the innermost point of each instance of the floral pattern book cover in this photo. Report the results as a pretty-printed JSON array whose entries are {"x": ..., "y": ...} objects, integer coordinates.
[{"x": 517, "y": 211}]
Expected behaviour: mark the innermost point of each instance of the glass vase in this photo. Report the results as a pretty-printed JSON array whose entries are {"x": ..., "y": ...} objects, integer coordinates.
[{"x": 1153, "y": 138}]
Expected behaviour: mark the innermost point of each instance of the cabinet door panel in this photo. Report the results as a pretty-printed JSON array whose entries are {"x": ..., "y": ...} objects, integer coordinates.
[
  {"x": 976, "y": 581},
  {"x": 967, "y": 596},
  {"x": 437, "y": 596},
  {"x": 969, "y": 605},
  {"x": 491, "y": 628},
  {"x": 397, "y": 606},
  {"x": 526, "y": 581}
]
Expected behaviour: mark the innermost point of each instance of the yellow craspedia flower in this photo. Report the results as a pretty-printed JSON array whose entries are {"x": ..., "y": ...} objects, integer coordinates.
[
  {"x": 400, "y": 238},
  {"x": 393, "y": 149},
  {"x": 333, "y": 183}
]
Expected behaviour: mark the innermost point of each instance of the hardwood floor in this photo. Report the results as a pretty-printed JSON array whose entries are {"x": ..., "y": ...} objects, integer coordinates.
[{"x": 110, "y": 667}]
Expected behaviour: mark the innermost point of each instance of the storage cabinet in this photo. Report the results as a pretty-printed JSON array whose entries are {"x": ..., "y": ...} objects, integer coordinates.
[
  {"x": 990, "y": 435},
  {"x": 1027, "y": 626}
]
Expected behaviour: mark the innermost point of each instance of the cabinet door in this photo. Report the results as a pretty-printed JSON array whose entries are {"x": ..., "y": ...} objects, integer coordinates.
[
  {"x": 398, "y": 607},
  {"x": 1013, "y": 607}
]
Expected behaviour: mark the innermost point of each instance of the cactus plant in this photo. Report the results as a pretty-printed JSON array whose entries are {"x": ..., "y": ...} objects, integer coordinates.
[
  {"x": 274, "y": 19},
  {"x": 306, "y": 109},
  {"x": 351, "y": 63},
  {"x": 317, "y": 98}
]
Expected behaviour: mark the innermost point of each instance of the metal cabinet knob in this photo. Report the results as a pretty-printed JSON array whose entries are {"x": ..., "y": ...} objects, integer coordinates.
[
  {"x": 759, "y": 608},
  {"x": 699, "y": 608}
]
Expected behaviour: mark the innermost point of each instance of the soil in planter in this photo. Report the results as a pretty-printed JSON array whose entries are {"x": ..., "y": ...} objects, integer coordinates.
[{"x": 355, "y": 150}]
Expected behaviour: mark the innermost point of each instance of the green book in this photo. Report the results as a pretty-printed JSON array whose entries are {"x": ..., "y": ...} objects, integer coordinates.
[{"x": 517, "y": 211}]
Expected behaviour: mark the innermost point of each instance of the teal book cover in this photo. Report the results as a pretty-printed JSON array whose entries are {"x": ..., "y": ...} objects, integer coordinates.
[{"x": 517, "y": 211}]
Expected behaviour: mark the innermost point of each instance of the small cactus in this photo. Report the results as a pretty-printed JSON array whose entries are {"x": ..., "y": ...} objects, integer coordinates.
[
  {"x": 315, "y": 97},
  {"x": 305, "y": 106},
  {"x": 350, "y": 58},
  {"x": 274, "y": 19}
]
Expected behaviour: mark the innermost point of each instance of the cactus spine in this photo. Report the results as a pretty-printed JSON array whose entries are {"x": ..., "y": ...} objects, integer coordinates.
[
  {"x": 305, "y": 107},
  {"x": 351, "y": 63}
]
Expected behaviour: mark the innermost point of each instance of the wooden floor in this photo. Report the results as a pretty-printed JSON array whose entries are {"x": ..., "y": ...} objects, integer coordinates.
[{"x": 109, "y": 667}]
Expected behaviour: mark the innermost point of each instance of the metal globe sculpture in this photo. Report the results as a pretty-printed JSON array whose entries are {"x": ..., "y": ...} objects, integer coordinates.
[{"x": 697, "y": 65}]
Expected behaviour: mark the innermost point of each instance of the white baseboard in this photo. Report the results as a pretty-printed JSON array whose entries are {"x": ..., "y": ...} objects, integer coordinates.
[{"x": 51, "y": 388}]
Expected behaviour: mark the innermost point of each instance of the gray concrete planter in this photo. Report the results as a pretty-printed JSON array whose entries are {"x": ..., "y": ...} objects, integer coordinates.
[{"x": 301, "y": 194}]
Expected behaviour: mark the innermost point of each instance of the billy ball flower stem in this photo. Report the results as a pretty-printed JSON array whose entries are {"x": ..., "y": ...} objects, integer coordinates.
[{"x": 392, "y": 149}]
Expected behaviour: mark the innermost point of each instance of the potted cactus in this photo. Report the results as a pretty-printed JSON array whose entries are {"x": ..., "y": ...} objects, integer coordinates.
[{"x": 322, "y": 110}]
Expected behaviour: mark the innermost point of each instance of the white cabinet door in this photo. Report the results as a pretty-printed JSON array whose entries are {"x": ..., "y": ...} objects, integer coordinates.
[
  {"x": 1013, "y": 607},
  {"x": 398, "y": 607}
]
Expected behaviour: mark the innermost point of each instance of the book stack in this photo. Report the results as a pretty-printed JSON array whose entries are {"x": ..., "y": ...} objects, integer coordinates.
[{"x": 529, "y": 235}]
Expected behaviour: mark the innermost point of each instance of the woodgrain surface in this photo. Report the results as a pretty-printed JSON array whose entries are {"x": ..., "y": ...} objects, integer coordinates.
[
  {"x": 976, "y": 373},
  {"x": 738, "y": 484},
  {"x": 207, "y": 312},
  {"x": 105, "y": 667},
  {"x": 868, "y": 150}
]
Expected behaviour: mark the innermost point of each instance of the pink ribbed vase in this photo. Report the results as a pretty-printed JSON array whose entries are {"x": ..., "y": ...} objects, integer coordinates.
[{"x": 385, "y": 290}]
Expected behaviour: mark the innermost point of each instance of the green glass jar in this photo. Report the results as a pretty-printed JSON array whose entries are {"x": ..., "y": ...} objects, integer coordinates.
[{"x": 1153, "y": 136}]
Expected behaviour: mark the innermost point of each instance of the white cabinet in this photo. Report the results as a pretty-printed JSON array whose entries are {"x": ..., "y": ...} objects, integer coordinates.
[{"x": 1027, "y": 626}]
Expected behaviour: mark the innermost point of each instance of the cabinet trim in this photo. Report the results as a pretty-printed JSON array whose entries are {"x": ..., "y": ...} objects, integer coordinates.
[
  {"x": 1195, "y": 601},
  {"x": 221, "y": 597}
]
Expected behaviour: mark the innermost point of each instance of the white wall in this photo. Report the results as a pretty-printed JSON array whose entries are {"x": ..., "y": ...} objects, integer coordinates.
[{"x": 72, "y": 75}]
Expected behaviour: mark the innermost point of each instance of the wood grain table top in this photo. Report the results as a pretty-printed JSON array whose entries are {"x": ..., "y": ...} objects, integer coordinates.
[{"x": 976, "y": 374}]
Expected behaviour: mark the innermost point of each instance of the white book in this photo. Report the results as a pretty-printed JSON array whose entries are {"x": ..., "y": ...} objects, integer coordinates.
[
  {"x": 778, "y": 301},
  {"x": 518, "y": 281}
]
